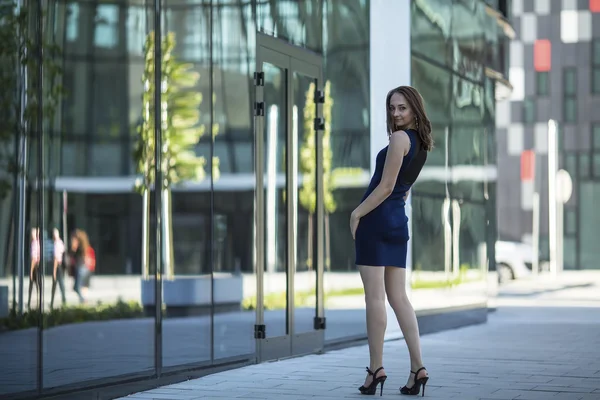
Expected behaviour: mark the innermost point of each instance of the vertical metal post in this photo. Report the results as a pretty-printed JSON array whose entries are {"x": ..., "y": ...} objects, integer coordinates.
[
  {"x": 146, "y": 232},
  {"x": 559, "y": 236},
  {"x": 40, "y": 186},
  {"x": 259, "y": 210},
  {"x": 212, "y": 185},
  {"x": 552, "y": 201},
  {"x": 64, "y": 208},
  {"x": 158, "y": 184},
  {"x": 536, "y": 233},
  {"x": 456, "y": 217},
  {"x": 320, "y": 207},
  {"x": 291, "y": 188},
  {"x": 22, "y": 146}
]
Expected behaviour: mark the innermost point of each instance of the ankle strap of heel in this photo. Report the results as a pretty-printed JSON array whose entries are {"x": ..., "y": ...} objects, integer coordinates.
[{"x": 374, "y": 373}]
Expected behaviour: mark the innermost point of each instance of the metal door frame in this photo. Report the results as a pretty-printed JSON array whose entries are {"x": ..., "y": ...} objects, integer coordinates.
[{"x": 291, "y": 59}]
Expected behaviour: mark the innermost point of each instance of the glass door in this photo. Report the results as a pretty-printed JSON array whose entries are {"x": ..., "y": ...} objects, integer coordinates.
[{"x": 288, "y": 215}]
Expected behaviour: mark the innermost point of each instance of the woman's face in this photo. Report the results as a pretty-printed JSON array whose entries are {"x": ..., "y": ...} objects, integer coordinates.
[
  {"x": 74, "y": 242},
  {"x": 401, "y": 112}
]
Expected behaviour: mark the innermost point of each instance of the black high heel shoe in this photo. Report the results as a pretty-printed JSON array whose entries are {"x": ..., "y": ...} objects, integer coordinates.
[
  {"x": 416, "y": 388},
  {"x": 372, "y": 388}
]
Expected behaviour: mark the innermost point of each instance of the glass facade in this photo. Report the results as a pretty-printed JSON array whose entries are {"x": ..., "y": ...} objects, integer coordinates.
[
  {"x": 454, "y": 202},
  {"x": 131, "y": 230}
]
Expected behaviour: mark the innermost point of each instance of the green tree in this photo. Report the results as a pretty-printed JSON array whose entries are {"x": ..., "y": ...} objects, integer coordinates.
[
  {"x": 181, "y": 131},
  {"x": 19, "y": 85},
  {"x": 308, "y": 156},
  {"x": 20, "y": 65}
]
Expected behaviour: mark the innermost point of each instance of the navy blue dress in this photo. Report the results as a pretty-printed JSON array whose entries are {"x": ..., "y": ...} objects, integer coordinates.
[{"x": 382, "y": 235}]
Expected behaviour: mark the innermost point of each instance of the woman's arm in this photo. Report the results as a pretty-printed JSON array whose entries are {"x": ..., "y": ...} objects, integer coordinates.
[{"x": 398, "y": 148}]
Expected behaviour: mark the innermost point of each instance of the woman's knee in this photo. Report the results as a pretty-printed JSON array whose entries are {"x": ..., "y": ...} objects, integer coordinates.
[{"x": 396, "y": 296}]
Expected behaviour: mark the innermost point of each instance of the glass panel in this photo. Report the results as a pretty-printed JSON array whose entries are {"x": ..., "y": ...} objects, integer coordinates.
[
  {"x": 21, "y": 264},
  {"x": 107, "y": 26},
  {"x": 571, "y": 164},
  {"x": 570, "y": 221},
  {"x": 299, "y": 22},
  {"x": 584, "y": 166},
  {"x": 233, "y": 176},
  {"x": 596, "y": 165},
  {"x": 469, "y": 222},
  {"x": 186, "y": 229},
  {"x": 305, "y": 280},
  {"x": 589, "y": 220},
  {"x": 596, "y": 136},
  {"x": 570, "y": 253},
  {"x": 435, "y": 84},
  {"x": 452, "y": 235},
  {"x": 570, "y": 81},
  {"x": 101, "y": 293},
  {"x": 529, "y": 111},
  {"x": 276, "y": 195},
  {"x": 596, "y": 79},
  {"x": 426, "y": 36},
  {"x": 346, "y": 59},
  {"x": 596, "y": 52},
  {"x": 430, "y": 243},
  {"x": 570, "y": 109},
  {"x": 542, "y": 83}
]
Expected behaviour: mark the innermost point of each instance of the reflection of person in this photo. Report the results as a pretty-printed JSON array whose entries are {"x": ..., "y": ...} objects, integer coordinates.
[
  {"x": 379, "y": 226},
  {"x": 78, "y": 252},
  {"x": 90, "y": 263},
  {"x": 58, "y": 273},
  {"x": 35, "y": 263}
]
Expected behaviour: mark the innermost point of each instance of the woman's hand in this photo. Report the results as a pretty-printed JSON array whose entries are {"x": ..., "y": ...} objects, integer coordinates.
[{"x": 354, "y": 220}]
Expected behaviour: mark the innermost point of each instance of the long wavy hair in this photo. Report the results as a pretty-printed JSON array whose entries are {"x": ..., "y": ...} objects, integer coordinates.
[
  {"x": 415, "y": 101},
  {"x": 82, "y": 238}
]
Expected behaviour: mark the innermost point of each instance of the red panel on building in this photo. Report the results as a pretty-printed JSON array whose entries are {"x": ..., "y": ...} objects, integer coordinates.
[
  {"x": 595, "y": 6},
  {"x": 542, "y": 55},
  {"x": 527, "y": 165}
]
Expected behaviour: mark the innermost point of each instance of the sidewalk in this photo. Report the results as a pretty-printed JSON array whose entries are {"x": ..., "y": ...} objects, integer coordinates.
[{"x": 544, "y": 345}]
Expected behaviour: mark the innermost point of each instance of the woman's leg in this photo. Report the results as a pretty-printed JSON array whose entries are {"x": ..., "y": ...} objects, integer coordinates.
[
  {"x": 61, "y": 283},
  {"x": 372, "y": 278},
  {"x": 53, "y": 291},
  {"x": 79, "y": 272},
  {"x": 395, "y": 287}
]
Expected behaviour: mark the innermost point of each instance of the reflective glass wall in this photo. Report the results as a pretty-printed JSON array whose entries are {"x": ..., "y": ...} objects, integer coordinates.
[
  {"x": 81, "y": 247},
  {"x": 453, "y": 203},
  {"x": 90, "y": 249}
]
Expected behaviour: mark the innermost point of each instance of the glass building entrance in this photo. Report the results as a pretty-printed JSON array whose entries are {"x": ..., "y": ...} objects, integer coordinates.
[
  {"x": 288, "y": 164},
  {"x": 257, "y": 122}
]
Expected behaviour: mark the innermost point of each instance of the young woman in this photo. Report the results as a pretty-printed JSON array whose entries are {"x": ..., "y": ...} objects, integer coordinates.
[
  {"x": 379, "y": 226},
  {"x": 79, "y": 253}
]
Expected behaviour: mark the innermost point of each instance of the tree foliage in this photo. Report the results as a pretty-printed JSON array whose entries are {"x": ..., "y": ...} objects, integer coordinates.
[
  {"x": 19, "y": 80},
  {"x": 180, "y": 116},
  {"x": 308, "y": 151}
]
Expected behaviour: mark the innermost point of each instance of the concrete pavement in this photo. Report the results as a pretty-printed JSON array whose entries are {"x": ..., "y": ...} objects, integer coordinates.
[
  {"x": 75, "y": 353},
  {"x": 543, "y": 342}
]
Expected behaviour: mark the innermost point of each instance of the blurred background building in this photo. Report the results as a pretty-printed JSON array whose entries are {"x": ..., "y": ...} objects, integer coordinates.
[
  {"x": 555, "y": 73},
  {"x": 255, "y": 70}
]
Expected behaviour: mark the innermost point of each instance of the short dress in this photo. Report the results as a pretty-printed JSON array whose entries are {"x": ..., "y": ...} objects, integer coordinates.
[{"x": 381, "y": 238}]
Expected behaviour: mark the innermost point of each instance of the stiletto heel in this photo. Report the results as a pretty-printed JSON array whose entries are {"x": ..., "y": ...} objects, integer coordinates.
[
  {"x": 416, "y": 388},
  {"x": 372, "y": 388}
]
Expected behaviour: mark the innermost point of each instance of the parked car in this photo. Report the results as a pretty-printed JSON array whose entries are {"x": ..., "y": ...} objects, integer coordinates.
[{"x": 514, "y": 260}]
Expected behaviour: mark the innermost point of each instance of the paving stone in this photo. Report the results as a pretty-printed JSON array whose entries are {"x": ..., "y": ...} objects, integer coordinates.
[{"x": 532, "y": 351}]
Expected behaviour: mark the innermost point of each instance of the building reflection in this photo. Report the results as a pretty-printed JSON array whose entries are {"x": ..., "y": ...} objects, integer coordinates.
[{"x": 97, "y": 167}]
